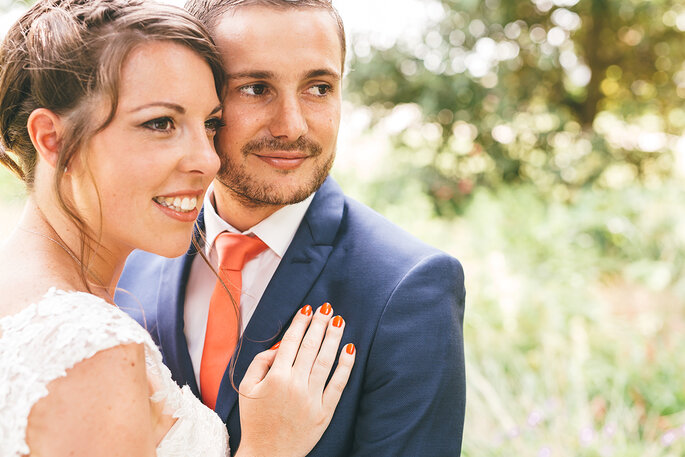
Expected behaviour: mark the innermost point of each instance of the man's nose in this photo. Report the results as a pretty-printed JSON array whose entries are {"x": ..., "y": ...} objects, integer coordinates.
[{"x": 289, "y": 122}]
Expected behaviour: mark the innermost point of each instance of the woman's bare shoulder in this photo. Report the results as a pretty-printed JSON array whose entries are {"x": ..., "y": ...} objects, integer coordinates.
[{"x": 101, "y": 405}]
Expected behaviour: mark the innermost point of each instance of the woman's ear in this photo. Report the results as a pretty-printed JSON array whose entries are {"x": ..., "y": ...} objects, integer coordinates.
[{"x": 44, "y": 128}]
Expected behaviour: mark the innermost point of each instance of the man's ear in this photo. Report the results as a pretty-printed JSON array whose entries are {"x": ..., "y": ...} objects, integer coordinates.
[{"x": 44, "y": 128}]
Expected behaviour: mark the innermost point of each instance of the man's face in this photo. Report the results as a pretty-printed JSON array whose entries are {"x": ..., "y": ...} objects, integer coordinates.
[{"x": 282, "y": 103}]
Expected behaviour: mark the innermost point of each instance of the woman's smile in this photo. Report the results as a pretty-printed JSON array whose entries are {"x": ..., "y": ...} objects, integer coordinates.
[{"x": 181, "y": 206}]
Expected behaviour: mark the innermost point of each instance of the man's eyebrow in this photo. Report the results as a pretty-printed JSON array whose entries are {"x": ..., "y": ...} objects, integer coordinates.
[
  {"x": 318, "y": 73},
  {"x": 324, "y": 72},
  {"x": 252, "y": 75},
  {"x": 169, "y": 105}
]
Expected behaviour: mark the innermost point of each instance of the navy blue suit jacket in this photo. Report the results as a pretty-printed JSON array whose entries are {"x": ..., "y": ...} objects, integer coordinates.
[{"x": 403, "y": 303}]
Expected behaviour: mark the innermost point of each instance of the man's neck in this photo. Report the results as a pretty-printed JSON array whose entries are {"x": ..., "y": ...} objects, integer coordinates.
[{"x": 240, "y": 215}]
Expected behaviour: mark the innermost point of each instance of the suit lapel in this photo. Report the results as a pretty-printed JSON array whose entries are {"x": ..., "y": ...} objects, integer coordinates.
[
  {"x": 300, "y": 267},
  {"x": 170, "y": 306}
]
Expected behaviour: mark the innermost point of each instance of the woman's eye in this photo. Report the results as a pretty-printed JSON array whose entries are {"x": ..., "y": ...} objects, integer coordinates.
[
  {"x": 162, "y": 124},
  {"x": 320, "y": 89},
  {"x": 213, "y": 125},
  {"x": 254, "y": 89}
]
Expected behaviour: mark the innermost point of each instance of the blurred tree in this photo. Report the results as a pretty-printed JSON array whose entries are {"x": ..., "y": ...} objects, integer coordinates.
[{"x": 560, "y": 93}]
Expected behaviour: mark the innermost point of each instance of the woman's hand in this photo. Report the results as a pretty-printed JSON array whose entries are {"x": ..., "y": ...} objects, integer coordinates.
[{"x": 285, "y": 404}]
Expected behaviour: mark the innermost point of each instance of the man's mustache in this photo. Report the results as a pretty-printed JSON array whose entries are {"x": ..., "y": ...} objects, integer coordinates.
[{"x": 303, "y": 144}]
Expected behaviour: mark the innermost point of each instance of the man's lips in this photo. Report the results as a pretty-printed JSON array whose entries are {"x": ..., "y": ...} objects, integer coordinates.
[
  {"x": 282, "y": 154},
  {"x": 283, "y": 160}
]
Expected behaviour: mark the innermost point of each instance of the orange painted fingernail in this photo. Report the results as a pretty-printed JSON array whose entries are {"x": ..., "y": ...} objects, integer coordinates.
[
  {"x": 349, "y": 348},
  {"x": 275, "y": 346},
  {"x": 306, "y": 310},
  {"x": 326, "y": 309},
  {"x": 338, "y": 321}
]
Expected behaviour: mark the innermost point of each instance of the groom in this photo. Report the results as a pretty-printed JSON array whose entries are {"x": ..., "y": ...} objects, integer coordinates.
[{"x": 402, "y": 300}]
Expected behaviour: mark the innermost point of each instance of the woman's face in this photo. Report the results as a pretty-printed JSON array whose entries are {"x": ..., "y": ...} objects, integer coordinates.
[{"x": 153, "y": 163}]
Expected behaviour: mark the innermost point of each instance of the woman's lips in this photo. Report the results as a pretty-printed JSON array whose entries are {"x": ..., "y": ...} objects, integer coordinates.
[
  {"x": 182, "y": 216},
  {"x": 181, "y": 206}
]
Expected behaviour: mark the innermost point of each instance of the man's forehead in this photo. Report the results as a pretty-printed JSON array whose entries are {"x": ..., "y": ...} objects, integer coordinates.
[
  {"x": 280, "y": 42},
  {"x": 286, "y": 22}
]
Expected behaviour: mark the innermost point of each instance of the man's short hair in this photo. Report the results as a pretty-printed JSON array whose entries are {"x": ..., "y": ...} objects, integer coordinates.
[{"x": 210, "y": 12}]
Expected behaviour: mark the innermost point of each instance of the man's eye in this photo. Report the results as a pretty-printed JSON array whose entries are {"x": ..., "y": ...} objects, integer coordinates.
[
  {"x": 254, "y": 89},
  {"x": 319, "y": 89},
  {"x": 163, "y": 124}
]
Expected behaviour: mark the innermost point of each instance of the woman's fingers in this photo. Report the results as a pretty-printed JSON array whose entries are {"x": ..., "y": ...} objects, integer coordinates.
[
  {"x": 309, "y": 349},
  {"x": 257, "y": 370},
  {"x": 290, "y": 344},
  {"x": 306, "y": 355},
  {"x": 326, "y": 357},
  {"x": 338, "y": 381},
  {"x": 284, "y": 387}
]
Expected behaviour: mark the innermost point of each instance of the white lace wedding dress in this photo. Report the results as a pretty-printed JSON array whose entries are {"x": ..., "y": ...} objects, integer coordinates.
[{"x": 42, "y": 341}]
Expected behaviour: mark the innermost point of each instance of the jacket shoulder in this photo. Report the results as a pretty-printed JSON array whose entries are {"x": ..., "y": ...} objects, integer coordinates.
[{"x": 364, "y": 227}]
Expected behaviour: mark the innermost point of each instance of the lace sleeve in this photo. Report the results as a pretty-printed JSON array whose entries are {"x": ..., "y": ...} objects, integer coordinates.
[{"x": 40, "y": 343}]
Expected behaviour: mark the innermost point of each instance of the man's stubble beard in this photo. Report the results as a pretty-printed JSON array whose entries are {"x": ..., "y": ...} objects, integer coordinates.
[{"x": 253, "y": 193}]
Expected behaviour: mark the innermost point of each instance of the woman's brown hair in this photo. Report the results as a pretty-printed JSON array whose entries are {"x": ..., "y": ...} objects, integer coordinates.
[{"x": 66, "y": 56}]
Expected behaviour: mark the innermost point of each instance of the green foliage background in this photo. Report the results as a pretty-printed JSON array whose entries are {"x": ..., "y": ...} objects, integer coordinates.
[
  {"x": 539, "y": 142},
  {"x": 559, "y": 80}
]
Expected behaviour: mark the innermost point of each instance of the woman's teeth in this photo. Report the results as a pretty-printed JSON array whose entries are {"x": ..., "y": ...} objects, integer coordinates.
[{"x": 182, "y": 205}]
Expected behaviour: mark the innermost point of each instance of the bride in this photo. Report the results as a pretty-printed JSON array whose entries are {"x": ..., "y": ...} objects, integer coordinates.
[{"x": 108, "y": 109}]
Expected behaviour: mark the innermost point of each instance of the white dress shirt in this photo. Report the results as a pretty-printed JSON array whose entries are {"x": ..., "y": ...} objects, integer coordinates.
[{"x": 276, "y": 231}]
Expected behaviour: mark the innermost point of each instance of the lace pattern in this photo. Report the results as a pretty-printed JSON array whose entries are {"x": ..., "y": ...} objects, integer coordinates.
[{"x": 41, "y": 342}]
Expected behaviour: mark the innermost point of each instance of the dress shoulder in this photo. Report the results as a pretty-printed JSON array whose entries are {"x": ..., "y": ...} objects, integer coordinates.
[{"x": 44, "y": 340}]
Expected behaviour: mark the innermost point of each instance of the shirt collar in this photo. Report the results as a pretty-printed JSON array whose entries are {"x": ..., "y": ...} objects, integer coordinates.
[{"x": 276, "y": 231}]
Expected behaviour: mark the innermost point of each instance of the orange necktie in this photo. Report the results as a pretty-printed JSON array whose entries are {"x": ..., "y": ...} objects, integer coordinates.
[{"x": 234, "y": 252}]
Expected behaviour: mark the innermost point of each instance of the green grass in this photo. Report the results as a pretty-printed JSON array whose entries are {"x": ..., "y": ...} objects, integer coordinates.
[{"x": 573, "y": 324}]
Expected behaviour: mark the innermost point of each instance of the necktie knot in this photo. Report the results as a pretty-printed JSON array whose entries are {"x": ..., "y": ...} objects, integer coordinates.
[{"x": 235, "y": 250}]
